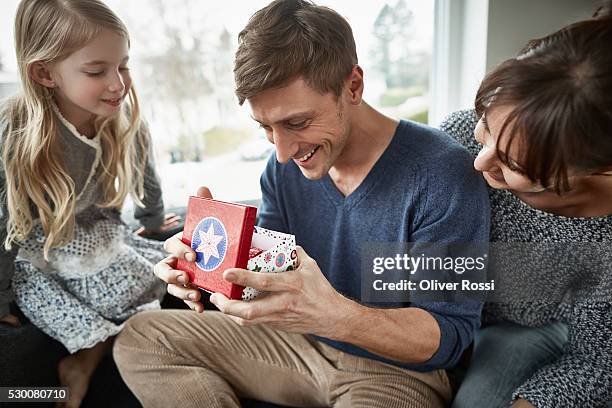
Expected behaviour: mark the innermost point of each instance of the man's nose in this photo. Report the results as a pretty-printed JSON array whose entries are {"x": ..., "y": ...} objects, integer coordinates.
[{"x": 285, "y": 148}]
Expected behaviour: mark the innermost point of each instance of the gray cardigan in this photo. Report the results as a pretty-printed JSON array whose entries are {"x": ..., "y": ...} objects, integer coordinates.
[
  {"x": 568, "y": 281},
  {"x": 80, "y": 159}
]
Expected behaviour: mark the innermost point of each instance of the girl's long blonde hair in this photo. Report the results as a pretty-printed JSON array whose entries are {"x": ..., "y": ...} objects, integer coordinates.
[{"x": 37, "y": 181}]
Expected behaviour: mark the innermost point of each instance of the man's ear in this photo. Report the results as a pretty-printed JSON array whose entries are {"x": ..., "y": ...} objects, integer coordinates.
[
  {"x": 39, "y": 72},
  {"x": 355, "y": 85}
]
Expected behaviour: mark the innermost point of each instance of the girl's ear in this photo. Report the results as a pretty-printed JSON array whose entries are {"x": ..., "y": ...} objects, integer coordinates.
[{"x": 39, "y": 72}]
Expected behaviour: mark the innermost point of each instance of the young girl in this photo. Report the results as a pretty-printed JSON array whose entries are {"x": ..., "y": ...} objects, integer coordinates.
[
  {"x": 73, "y": 147},
  {"x": 542, "y": 137}
]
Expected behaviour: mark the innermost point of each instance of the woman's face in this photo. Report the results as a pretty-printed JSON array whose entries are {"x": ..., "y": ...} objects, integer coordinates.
[
  {"x": 511, "y": 176},
  {"x": 496, "y": 173}
]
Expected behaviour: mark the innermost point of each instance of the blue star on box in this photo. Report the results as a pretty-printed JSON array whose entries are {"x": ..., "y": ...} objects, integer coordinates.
[{"x": 209, "y": 241}]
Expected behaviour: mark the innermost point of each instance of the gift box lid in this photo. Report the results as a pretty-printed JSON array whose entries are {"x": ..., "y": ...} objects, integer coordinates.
[
  {"x": 276, "y": 253},
  {"x": 220, "y": 233}
]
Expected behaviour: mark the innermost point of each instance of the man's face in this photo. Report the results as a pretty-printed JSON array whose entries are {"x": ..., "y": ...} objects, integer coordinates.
[{"x": 305, "y": 126}]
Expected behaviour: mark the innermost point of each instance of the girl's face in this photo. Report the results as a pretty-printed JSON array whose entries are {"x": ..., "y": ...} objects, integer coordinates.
[
  {"x": 94, "y": 80},
  {"x": 496, "y": 173}
]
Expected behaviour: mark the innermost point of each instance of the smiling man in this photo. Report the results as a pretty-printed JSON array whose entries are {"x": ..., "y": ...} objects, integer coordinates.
[{"x": 343, "y": 175}]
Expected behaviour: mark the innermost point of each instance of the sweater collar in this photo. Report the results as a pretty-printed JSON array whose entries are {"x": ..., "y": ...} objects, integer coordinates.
[{"x": 95, "y": 142}]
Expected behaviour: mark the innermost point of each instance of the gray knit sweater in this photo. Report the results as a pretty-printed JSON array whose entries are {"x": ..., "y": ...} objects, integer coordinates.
[
  {"x": 582, "y": 376},
  {"x": 82, "y": 159}
]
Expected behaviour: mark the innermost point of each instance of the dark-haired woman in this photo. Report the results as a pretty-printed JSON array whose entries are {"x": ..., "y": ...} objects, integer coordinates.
[{"x": 542, "y": 137}]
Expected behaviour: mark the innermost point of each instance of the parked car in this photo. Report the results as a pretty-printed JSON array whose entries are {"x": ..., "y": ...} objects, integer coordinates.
[{"x": 257, "y": 149}]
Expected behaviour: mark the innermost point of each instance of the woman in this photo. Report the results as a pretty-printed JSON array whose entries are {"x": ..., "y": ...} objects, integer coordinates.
[{"x": 542, "y": 137}]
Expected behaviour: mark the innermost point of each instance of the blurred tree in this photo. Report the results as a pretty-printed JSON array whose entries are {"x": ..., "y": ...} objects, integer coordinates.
[
  {"x": 223, "y": 78},
  {"x": 383, "y": 33},
  {"x": 400, "y": 63},
  {"x": 174, "y": 62}
]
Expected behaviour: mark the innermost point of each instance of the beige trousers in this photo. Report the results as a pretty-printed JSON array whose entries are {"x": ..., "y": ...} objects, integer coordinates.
[{"x": 179, "y": 358}]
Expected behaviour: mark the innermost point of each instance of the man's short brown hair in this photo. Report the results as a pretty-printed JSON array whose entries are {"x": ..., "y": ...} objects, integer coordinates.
[{"x": 289, "y": 39}]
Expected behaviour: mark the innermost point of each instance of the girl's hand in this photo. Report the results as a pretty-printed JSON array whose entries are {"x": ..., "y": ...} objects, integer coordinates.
[
  {"x": 11, "y": 320},
  {"x": 172, "y": 221}
]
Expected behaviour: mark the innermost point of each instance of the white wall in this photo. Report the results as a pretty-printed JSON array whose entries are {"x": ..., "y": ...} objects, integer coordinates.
[
  {"x": 513, "y": 23},
  {"x": 473, "y": 36}
]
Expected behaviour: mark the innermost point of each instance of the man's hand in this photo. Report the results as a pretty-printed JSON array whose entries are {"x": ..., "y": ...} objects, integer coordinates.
[
  {"x": 170, "y": 222},
  {"x": 11, "y": 320},
  {"x": 178, "y": 281},
  {"x": 299, "y": 301}
]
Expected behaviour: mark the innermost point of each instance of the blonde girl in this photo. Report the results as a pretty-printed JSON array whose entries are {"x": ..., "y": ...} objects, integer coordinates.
[{"x": 73, "y": 147}]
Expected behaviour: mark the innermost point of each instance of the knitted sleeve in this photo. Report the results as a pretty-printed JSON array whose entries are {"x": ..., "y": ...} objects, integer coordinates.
[
  {"x": 151, "y": 216},
  {"x": 582, "y": 377}
]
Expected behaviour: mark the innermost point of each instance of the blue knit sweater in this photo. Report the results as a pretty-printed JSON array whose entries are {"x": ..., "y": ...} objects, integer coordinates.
[{"x": 422, "y": 189}]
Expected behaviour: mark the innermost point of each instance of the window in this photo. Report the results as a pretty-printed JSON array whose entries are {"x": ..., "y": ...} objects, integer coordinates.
[
  {"x": 181, "y": 60},
  {"x": 459, "y": 55}
]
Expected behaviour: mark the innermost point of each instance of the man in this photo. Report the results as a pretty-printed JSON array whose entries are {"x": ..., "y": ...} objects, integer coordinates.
[{"x": 343, "y": 175}]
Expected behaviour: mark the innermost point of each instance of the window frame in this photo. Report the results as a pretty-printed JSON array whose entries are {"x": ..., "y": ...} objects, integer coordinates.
[{"x": 459, "y": 55}]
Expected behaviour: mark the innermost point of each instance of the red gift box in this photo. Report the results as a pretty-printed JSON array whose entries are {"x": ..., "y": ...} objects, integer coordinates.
[{"x": 220, "y": 233}]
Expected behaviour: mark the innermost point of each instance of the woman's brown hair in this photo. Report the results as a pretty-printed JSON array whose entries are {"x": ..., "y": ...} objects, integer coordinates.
[
  {"x": 605, "y": 10},
  {"x": 559, "y": 90}
]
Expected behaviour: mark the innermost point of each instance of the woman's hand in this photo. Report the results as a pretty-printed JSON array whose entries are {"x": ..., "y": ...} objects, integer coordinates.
[
  {"x": 11, "y": 320},
  {"x": 521, "y": 403}
]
